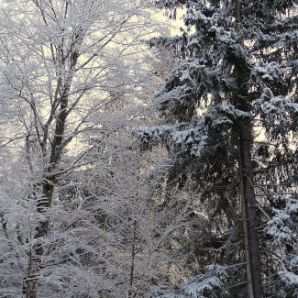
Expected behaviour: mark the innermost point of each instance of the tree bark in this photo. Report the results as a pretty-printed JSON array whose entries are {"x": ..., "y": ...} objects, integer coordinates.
[
  {"x": 249, "y": 286},
  {"x": 133, "y": 256},
  {"x": 249, "y": 216}
]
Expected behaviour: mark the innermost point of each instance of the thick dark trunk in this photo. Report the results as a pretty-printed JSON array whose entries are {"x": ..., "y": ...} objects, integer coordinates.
[{"x": 253, "y": 258}]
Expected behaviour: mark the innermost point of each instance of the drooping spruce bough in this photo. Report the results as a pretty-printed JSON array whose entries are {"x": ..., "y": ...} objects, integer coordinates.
[{"x": 230, "y": 111}]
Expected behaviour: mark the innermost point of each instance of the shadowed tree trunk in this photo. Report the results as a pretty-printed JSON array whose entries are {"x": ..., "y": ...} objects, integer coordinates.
[{"x": 253, "y": 259}]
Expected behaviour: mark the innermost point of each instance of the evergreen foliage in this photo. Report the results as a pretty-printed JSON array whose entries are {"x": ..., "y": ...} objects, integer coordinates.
[{"x": 235, "y": 83}]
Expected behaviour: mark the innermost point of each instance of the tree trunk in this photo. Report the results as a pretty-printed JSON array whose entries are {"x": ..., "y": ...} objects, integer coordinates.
[
  {"x": 249, "y": 286},
  {"x": 48, "y": 185},
  {"x": 133, "y": 256},
  {"x": 253, "y": 256},
  {"x": 251, "y": 241},
  {"x": 37, "y": 251}
]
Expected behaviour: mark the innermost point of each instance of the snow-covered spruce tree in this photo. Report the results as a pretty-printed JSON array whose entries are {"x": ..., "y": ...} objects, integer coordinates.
[
  {"x": 283, "y": 230},
  {"x": 237, "y": 78}
]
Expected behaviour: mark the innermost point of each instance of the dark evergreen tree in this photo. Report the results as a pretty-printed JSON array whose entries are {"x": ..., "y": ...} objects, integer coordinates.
[{"x": 230, "y": 112}]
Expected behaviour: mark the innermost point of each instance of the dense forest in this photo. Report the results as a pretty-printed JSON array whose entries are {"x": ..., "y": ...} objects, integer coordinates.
[{"x": 148, "y": 148}]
